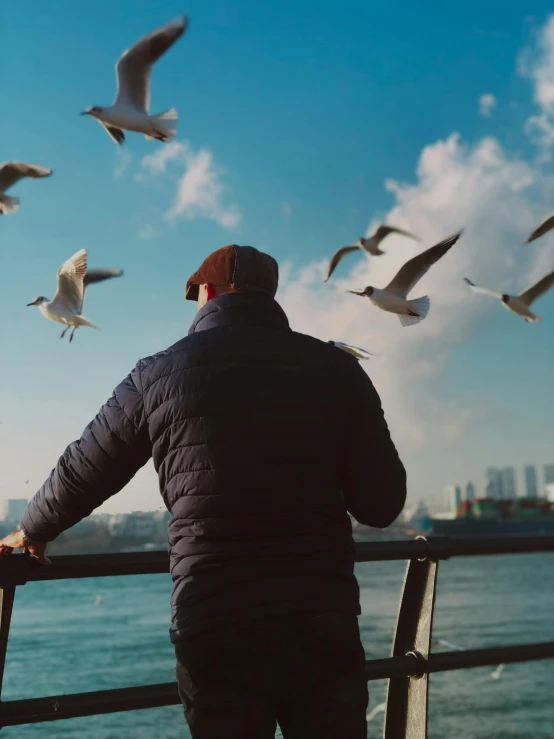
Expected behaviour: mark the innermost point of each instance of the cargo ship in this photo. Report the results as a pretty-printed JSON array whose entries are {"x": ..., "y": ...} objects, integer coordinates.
[{"x": 489, "y": 516}]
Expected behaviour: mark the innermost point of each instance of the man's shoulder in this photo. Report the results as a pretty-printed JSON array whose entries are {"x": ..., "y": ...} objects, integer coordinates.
[
  {"x": 324, "y": 350},
  {"x": 173, "y": 354},
  {"x": 196, "y": 347}
]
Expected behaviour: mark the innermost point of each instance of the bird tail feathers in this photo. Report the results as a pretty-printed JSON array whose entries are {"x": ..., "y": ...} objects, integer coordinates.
[
  {"x": 8, "y": 204},
  {"x": 85, "y": 322},
  {"x": 418, "y": 310},
  {"x": 165, "y": 124}
]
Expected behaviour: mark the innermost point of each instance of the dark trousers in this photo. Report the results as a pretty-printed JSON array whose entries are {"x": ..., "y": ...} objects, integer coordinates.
[{"x": 304, "y": 671}]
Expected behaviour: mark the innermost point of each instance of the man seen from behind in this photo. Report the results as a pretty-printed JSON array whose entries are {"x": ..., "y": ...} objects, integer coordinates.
[{"x": 264, "y": 440}]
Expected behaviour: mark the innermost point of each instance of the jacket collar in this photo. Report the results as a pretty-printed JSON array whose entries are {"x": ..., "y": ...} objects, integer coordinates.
[{"x": 240, "y": 309}]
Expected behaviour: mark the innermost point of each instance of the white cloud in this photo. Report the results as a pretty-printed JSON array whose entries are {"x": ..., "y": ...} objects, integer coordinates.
[
  {"x": 540, "y": 128},
  {"x": 487, "y": 103},
  {"x": 498, "y": 199},
  {"x": 286, "y": 210},
  {"x": 124, "y": 159},
  {"x": 537, "y": 64},
  {"x": 147, "y": 232},
  {"x": 199, "y": 188}
]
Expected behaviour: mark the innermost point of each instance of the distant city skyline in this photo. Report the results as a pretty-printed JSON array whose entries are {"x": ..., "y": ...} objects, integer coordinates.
[{"x": 502, "y": 483}]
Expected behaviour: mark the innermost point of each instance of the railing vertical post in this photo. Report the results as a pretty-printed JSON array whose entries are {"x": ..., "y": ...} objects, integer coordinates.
[
  {"x": 7, "y": 595},
  {"x": 406, "y": 711},
  {"x": 11, "y": 575}
]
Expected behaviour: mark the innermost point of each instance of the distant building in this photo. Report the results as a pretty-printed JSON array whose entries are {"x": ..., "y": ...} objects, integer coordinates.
[
  {"x": 453, "y": 495},
  {"x": 508, "y": 483},
  {"x": 470, "y": 493},
  {"x": 494, "y": 487},
  {"x": 548, "y": 473},
  {"x": 531, "y": 486},
  {"x": 549, "y": 492},
  {"x": 501, "y": 483}
]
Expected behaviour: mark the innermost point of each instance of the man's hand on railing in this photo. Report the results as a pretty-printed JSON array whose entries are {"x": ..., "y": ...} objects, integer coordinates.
[{"x": 18, "y": 540}]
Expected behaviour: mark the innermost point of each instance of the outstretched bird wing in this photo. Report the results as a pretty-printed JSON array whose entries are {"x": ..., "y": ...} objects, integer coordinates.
[
  {"x": 99, "y": 275},
  {"x": 113, "y": 132},
  {"x": 12, "y": 172},
  {"x": 482, "y": 290},
  {"x": 537, "y": 290},
  {"x": 354, "y": 350},
  {"x": 71, "y": 289},
  {"x": 541, "y": 230},
  {"x": 415, "y": 268},
  {"x": 134, "y": 66},
  {"x": 337, "y": 256},
  {"x": 383, "y": 231}
]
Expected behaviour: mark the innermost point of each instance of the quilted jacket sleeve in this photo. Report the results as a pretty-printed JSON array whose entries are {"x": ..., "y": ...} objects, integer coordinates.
[
  {"x": 112, "y": 448},
  {"x": 375, "y": 478}
]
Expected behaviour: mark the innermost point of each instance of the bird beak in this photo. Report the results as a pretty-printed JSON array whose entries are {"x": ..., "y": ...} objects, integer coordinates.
[
  {"x": 84, "y": 112},
  {"x": 356, "y": 292},
  {"x": 33, "y": 303}
]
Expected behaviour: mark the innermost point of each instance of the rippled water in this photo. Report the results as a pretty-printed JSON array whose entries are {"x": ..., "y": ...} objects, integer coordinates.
[{"x": 61, "y": 642}]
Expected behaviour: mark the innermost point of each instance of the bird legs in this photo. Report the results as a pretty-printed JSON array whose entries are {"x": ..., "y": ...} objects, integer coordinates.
[{"x": 63, "y": 333}]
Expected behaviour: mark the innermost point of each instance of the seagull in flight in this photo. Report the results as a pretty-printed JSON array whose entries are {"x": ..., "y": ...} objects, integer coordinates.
[
  {"x": 354, "y": 350},
  {"x": 519, "y": 304},
  {"x": 12, "y": 172},
  {"x": 67, "y": 304},
  {"x": 394, "y": 297},
  {"x": 541, "y": 230},
  {"x": 369, "y": 245},
  {"x": 129, "y": 110}
]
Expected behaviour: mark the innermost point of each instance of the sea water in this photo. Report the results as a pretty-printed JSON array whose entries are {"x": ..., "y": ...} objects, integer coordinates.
[{"x": 69, "y": 636}]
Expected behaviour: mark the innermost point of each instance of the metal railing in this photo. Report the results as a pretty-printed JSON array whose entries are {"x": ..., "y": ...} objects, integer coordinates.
[{"x": 407, "y": 670}]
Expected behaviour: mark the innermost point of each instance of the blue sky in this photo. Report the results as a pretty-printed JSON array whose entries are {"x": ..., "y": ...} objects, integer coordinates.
[{"x": 291, "y": 122}]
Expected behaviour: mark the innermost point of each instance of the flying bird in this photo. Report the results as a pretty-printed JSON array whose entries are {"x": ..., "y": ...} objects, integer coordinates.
[
  {"x": 394, "y": 297},
  {"x": 369, "y": 245},
  {"x": 129, "y": 110},
  {"x": 519, "y": 304},
  {"x": 354, "y": 350},
  {"x": 67, "y": 304},
  {"x": 541, "y": 230},
  {"x": 12, "y": 172}
]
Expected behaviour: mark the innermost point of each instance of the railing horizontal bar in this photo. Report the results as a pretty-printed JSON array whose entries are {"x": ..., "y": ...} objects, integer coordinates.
[
  {"x": 382, "y": 669},
  {"x": 53, "y": 708},
  {"x": 18, "y": 568},
  {"x": 69, "y": 566},
  {"x": 442, "y": 547},
  {"x": 56, "y": 707},
  {"x": 444, "y": 661}
]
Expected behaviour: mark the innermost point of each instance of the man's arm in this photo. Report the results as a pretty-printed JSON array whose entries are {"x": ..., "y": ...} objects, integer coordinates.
[
  {"x": 113, "y": 447},
  {"x": 374, "y": 476}
]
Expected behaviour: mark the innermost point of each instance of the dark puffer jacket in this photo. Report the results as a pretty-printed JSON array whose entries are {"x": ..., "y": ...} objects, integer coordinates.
[{"x": 262, "y": 438}]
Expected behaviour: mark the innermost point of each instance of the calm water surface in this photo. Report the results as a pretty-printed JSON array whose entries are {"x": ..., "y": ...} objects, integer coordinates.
[{"x": 62, "y": 642}]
